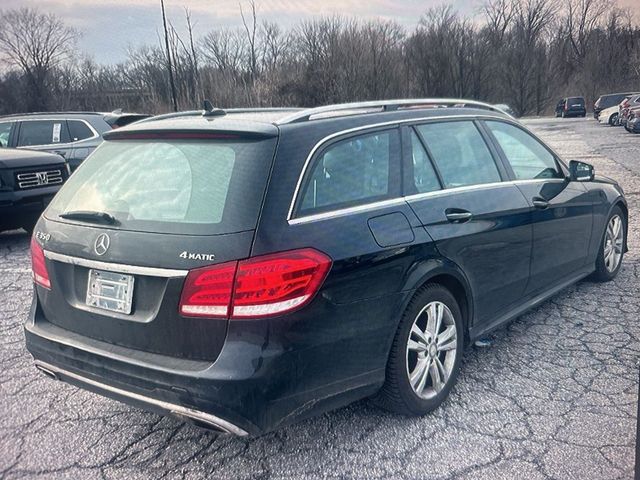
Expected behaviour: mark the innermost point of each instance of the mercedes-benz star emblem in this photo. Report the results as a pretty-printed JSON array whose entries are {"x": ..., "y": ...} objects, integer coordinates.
[{"x": 102, "y": 244}]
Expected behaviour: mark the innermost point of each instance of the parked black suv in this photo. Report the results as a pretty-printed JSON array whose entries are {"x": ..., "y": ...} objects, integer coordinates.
[
  {"x": 74, "y": 135},
  {"x": 28, "y": 182},
  {"x": 246, "y": 270},
  {"x": 571, "y": 107},
  {"x": 610, "y": 100}
]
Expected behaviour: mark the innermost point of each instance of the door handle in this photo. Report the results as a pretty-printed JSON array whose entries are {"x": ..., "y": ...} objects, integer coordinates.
[
  {"x": 456, "y": 215},
  {"x": 540, "y": 203}
]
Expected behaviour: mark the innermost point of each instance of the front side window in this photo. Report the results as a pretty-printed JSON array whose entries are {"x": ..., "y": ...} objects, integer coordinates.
[
  {"x": 460, "y": 153},
  {"x": 43, "y": 132},
  {"x": 528, "y": 158},
  {"x": 5, "y": 131},
  {"x": 351, "y": 172}
]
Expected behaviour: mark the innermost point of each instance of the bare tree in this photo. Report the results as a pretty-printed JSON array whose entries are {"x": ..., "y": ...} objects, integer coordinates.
[
  {"x": 582, "y": 16},
  {"x": 168, "y": 58},
  {"x": 251, "y": 31},
  {"x": 36, "y": 43},
  {"x": 528, "y": 53}
]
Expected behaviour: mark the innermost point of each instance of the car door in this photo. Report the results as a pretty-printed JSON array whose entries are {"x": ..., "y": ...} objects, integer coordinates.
[
  {"x": 477, "y": 220},
  {"x": 45, "y": 135},
  {"x": 562, "y": 211}
]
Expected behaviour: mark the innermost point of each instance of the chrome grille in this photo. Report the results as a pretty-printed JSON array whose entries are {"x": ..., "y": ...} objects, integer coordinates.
[{"x": 39, "y": 179}]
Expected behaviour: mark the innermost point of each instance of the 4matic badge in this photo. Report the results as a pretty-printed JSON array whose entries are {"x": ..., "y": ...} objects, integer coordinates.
[{"x": 197, "y": 256}]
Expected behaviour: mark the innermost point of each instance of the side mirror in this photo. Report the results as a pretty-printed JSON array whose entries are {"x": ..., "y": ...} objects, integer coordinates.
[{"x": 580, "y": 171}]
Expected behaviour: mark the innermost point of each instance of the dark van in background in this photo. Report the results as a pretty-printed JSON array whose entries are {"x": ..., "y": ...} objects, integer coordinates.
[{"x": 571, "y": 107}]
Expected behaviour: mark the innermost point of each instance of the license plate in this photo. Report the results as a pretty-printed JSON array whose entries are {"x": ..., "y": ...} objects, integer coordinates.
[{"x": 110, "y": 291}]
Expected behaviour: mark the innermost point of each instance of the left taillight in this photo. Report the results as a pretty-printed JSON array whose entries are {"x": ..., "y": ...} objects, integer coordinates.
[
  {"x": 258, "y": 287},
  {"x": 38, "y": 265}
]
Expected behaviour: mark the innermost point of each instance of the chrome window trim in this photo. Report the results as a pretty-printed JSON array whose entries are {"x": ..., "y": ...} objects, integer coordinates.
[
  {"x": 417, "y": 196},
  {"x": 328, "y": 138},
  {"x": 171, "y": 408},
  {"x": 93, "y": 130},
  {"x": 116, "y": 267},
  {"x": 347, "y": 211}
]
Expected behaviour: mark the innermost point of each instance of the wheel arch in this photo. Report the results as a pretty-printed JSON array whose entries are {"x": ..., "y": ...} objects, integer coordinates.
[
  {"x": 450, "y": 276},
  {"x": 620, "y": 202}
]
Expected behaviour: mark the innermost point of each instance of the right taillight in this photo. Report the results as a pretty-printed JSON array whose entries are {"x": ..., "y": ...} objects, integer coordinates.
[
  {"x": 38, "y": 265},
  {"x": 258, "y": 287}
]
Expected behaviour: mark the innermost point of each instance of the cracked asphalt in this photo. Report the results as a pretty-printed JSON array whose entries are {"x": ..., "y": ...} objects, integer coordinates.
[{"x": 553, "y": 397}]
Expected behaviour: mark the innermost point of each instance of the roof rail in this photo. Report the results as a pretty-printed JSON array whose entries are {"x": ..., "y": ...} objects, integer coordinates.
[
  {"x": 69, "y": 112},
  {"x": 344, "y": 109}
]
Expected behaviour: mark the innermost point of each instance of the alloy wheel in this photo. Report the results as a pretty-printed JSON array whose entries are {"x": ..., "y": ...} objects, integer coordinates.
[
  {"x": 431, "y": 349},
  {"x": 613, "y": 243}
]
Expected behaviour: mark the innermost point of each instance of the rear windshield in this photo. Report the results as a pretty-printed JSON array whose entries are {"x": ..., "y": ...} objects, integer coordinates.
[
  {"x": 575, "y": 101},
  {"x": 176, "y": 186}
]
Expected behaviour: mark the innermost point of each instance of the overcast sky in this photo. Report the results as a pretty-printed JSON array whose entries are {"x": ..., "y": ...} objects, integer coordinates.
[{"x": 110, "y": 26}]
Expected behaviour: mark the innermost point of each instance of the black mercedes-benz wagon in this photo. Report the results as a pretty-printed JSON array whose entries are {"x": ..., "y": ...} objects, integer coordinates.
[{"x": 245, "y": 269}]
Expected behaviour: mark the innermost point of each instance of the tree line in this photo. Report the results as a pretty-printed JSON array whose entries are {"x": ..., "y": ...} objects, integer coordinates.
[{"x": 526, "y": 53}]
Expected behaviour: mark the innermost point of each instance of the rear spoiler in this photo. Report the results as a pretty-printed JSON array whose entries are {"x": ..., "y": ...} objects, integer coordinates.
[
  {"x": 187, "y": 134},
  {"x": 118, "y": 119}
]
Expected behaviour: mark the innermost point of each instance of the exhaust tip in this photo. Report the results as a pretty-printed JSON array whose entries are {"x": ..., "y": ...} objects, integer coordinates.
[{"x": 47, "y": 372}]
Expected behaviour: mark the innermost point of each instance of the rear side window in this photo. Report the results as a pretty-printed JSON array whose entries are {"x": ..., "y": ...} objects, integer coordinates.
[
  {"x": 178, "y": 186},
  {"x": 351, "y": 172},
  {"x": 528, "y": 158},
  {"x": 43, "y": 132},
  {"x": 460, "y": 153},
  {"x": 424, "y": 176},
  {"x": 78, "y": 130}
]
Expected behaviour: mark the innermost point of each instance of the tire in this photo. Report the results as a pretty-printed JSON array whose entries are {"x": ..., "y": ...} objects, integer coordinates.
[
  {"x": 397, "y": 394},
  {"x": 605, "y": 269},
  {"x": 613, "y": 119}
]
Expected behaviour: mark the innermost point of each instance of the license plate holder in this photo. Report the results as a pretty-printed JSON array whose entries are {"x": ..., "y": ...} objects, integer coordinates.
[{"x": 110, "y": 291}]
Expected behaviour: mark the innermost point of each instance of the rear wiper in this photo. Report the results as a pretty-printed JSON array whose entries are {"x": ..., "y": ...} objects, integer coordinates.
[{"x": 91, "y": 217}]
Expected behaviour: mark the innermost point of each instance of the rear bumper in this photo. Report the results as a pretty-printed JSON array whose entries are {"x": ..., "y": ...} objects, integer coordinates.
[
  {"x": 253, "y": 387},
  {"x": 149, "y": 403}
]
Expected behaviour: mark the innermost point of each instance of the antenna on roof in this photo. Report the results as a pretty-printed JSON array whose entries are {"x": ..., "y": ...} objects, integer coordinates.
[
  {"x": 211, "y": 111},
  {"x": 117, "y": 111}
]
